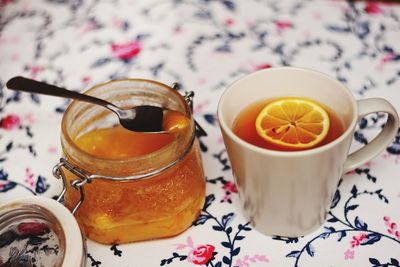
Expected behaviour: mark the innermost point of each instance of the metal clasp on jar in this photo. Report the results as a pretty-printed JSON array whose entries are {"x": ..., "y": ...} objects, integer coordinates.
[
  {"x": 78, "y": 184},
  {"x": 85, "y": 177},
  {"x": 189, "y": 95}
]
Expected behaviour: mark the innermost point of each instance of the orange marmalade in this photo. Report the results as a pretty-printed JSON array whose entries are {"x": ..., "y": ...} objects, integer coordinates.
[{"x": 160, "y": 205}]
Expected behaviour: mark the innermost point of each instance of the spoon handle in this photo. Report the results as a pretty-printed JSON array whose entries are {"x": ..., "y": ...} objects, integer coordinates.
[{"x": 28, "y": 85}]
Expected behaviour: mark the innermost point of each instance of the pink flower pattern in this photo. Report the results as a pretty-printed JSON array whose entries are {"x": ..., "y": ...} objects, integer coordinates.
[
  {"x": 30, "y": 178},
  {"x": 349, "y": 254},
  {"x": 372, "y": 8},
  {"x": 198, "y": 255},
  {"x": 283, "y": 25},
  {"x": 263, "y": 66},
  {"x": 5, "y": 2},
  {"x": 201, "y": 254},
  {"x": 230, "y": 187},
  {"x": 126, "y": 51},
  {"x": 248, "y": 260},
  {"x": 356, "y": 241},
  {"x": 10, "y": 122},
  {"x": 392, "y": 227}
]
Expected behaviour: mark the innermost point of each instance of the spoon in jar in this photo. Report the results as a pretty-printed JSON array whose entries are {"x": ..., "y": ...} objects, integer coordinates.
[{"x": 145, "y": 118}]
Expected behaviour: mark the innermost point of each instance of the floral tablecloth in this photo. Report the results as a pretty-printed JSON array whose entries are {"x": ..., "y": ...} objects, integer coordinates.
[{"x": 204, "y": 45}]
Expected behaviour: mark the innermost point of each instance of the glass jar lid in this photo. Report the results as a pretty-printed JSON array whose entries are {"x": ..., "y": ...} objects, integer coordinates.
[{"x": 39, "y": 231}]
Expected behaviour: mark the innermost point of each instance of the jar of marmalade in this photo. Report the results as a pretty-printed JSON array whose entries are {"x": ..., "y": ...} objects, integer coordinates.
[{"x": 126, "y": 186}]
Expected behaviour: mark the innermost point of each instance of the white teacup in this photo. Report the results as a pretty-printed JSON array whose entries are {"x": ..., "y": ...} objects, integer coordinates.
[{"x": 289, "y": 193}]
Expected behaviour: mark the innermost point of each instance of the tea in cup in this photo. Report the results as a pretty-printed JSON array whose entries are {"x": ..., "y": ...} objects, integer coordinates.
[
  {"x": 288, "y": 124},
  {"x": 288, "y": 132}
]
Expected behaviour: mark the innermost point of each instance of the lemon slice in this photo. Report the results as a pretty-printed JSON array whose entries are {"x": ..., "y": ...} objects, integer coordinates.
[{"x": 296, "y": 123}]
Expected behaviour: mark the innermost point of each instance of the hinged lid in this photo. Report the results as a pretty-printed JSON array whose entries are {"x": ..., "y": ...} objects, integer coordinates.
[{"x": 39, "y": 231}]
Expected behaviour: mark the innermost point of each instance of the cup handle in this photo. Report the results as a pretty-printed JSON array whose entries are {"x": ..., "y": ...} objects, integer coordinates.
[{"x": 380, "y": 142}]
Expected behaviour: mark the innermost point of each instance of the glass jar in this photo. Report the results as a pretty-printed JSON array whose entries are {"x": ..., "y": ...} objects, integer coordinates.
[
  {"x": 38, "y": 231},
  {"x": 137, "y": 198}
]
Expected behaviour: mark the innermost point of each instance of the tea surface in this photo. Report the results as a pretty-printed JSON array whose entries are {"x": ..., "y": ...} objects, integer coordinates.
[{"x": 244, "y": 127}]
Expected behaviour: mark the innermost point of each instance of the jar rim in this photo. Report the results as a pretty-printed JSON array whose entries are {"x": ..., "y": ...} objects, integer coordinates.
[
  {"x": 75, "y": 246},
  {"x": 69, "y": 140}
]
